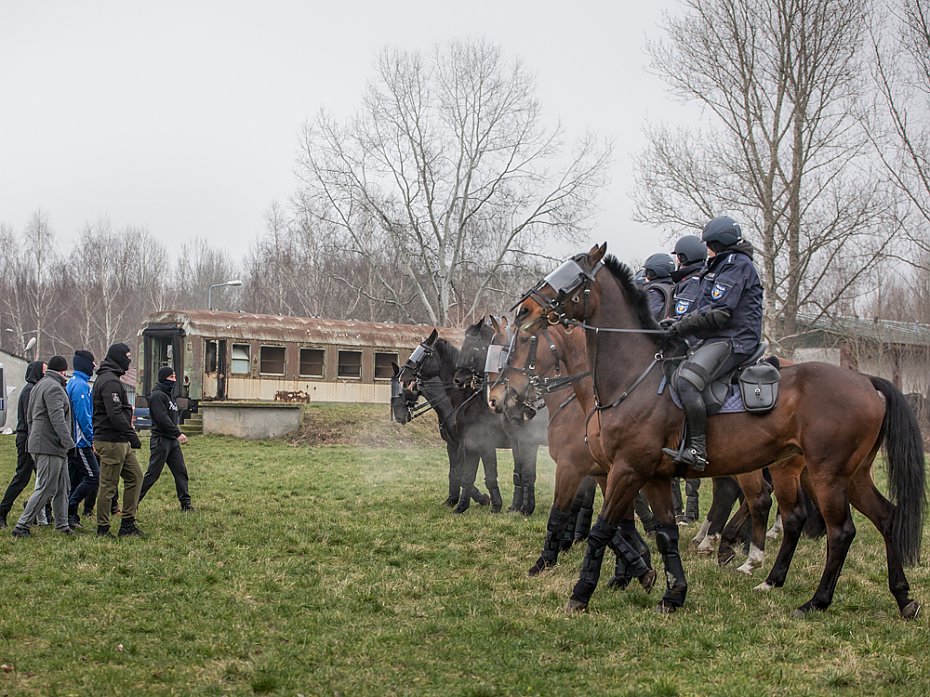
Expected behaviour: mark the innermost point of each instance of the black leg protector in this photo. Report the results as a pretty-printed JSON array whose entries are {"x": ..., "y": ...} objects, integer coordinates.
[
  {"x": 635, "y": 564},
  {"x": 676, "y": 587},
  {"x": 497, "y": 502},
  {"x": 641, "y": 506},
  {"x": 586, "y": 493},
  {"x": 601, "y": 535},
  {"x": 517, "y": 502},
  {"x": 529, "y": 496},
  {"x": 558, "y": 522},
  {"x": 631, "y": 535}
]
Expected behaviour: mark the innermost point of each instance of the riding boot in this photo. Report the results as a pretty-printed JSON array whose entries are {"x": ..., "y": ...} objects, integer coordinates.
[
  {"x": 497, "y": 502},
  {"x": 695, "y": 454},
  {"x": 517, "y": 503}
]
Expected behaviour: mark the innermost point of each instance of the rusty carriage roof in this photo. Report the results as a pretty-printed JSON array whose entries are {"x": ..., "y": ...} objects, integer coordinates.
[{"x": 285, "y": 328}]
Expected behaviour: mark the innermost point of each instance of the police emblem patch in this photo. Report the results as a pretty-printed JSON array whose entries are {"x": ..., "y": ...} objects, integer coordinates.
[
  {"x": 115, "y": 397},
  {"x": 682, "y": 307},
  {"x": 719, "y": 290}
]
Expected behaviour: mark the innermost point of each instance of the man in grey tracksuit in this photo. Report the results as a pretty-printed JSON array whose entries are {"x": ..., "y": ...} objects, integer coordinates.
[{"x": 49, "y": 417}]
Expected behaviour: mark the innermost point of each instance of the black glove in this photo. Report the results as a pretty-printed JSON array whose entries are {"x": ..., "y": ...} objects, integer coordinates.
[
  {"x": 668, "y": 323},
  {"x": 134, "y": 442}
]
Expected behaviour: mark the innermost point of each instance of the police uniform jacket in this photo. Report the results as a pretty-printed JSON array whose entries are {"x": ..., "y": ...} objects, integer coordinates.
[
  {"x": 112, "y": 411},
  {"x": 732, "y": 283}
]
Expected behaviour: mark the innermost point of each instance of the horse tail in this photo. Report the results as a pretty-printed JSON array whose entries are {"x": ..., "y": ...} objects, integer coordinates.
[
  {"x": 815, "y": 526},
  {"x": 904, "y": 453}
]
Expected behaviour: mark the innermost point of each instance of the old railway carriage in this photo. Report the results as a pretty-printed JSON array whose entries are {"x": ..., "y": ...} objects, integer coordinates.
[{"x": 238, "y": 356}]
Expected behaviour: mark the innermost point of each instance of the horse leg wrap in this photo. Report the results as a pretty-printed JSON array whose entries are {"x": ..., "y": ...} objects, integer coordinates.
[
  {"x": 555, "y": 529},
  {"x": 676, "y": 587},
  {"x": 691, "y": 492},
  {"x": 517, "y": 502},
  {"x": 529, "y": 496},
  {"x": 600, "y": 536},
  {"x": 631, "y": 535},
  {"x": 583, "y": 523},
  {"x": 497, "y": 502},
  {"x": 635, "y": 565}
]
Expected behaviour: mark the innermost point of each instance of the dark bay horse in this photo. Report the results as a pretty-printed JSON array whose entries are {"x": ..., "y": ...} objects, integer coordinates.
[
  {"x": 829, "y": 419},
  {"x": 489, "y": 430},
  {"x": 429, "y": 372},
  {"x": 567, "y": 447}
]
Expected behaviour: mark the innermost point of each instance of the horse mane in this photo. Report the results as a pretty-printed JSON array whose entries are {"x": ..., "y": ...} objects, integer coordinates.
[
  {"x": 624, "y": 276},
  {"x": 446, "y": 351}
]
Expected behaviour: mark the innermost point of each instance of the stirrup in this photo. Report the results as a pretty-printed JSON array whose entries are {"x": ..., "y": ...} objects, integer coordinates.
[{"x": 687, "y": 456}]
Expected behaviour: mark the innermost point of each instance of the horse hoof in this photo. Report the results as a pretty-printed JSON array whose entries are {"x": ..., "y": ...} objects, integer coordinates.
[
  {"x": 619, "y": 583},
  {"x": 911, "y": 610},
  {"x": 724, "y": 559},
  {"x": 458, "y": 510},
  {"x": 763, "y": 587},
  {"x": 450, "y": 502},
  {"x": 648, "y": 580},
  {"x": 482, "y": 499},
  {"x": 805, "y": 610},
  {"x": 745, "y": 569},
  {"x": 704, "y": 552},
  {"x": 495, "y": 509},
  {"x": 665, "y": 608},
  {"x": 575, "y": 607},
  {"x": 537, "y": 568}
]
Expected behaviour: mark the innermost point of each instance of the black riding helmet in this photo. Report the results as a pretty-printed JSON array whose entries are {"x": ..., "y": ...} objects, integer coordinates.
[
  {"x": 689, "y": 249},
  {"x": 658, "y": 266},
  {"x": 722, "y": 232}
]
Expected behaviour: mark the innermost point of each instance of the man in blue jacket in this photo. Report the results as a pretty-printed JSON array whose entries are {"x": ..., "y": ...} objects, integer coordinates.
[
  {"x": 167, "y": 439},
  {"x": 82, "y": 461},
  {"x": 724, "y": 329}
]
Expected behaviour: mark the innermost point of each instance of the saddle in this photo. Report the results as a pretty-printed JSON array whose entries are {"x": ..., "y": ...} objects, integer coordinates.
[{"x": 754, "y": 382}]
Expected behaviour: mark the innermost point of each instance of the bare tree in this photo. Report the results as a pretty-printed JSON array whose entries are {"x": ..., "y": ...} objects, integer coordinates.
[
  {"x": 445, "y": 172},
  {"x": 901, "y": 43},
  {"x": 779, "y": 83}
]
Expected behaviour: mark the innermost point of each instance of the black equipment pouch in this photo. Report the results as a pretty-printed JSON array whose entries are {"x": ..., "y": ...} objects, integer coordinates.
[{"x": 758, "y": 386}]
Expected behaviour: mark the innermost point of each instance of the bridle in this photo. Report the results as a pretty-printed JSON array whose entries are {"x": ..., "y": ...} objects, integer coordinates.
[{"x": 407, "y": 399}]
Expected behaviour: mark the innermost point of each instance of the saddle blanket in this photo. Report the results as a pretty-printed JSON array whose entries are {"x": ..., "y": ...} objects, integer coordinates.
[{"x": 733, "y": 404}]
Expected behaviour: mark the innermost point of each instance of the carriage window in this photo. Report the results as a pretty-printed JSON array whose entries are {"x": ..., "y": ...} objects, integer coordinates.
[
  {"x": 350, "y": 364},
  {"x": 209, "y": 355},
  {"x": 383, "y": 368},
  {"x": 240, "y": 359},
  {"x": 311, "y": 362},
  {"x": 271, "y": 360}
]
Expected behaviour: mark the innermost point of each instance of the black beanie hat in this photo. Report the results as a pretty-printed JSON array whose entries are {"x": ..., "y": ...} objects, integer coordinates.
[
  {"x": 164, "y": 373},
  {"x": 117, "y": 354},
  {"x": 58, "y": 364},
  {"x": 83, "y": 361}
]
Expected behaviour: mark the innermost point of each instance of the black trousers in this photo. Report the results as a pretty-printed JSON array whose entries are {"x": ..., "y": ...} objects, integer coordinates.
[
  {"x": 24, "y": 469},
  {"x": 166, "y": 451}
]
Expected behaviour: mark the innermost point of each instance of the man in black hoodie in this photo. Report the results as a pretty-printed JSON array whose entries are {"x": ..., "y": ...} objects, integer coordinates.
[
  {"x": 167, "y": 439},
  {"x": 116, "y": 442},
  {"x": 25, "y": 465}
]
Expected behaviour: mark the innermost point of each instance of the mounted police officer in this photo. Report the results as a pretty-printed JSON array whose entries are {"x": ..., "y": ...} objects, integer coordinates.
[
  {"x": 657, "y": 271},
  {"x": 725, "y": 327},
  {"x": 691, "y": 257}
]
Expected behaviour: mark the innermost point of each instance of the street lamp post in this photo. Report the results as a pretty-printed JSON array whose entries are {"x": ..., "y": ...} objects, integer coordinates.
[
  {"x": 236, "y": 282},
  {"x": 32, "y": 342}
]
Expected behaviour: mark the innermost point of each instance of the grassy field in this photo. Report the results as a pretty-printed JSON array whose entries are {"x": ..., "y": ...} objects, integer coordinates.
[{"x": 334, "y": 570}]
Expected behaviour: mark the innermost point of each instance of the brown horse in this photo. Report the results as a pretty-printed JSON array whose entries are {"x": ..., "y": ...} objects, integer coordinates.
[
  {"x": 573, "y": 460},
  {"x": 539, "y": 370},
  {"x": 829, "y": 419}
]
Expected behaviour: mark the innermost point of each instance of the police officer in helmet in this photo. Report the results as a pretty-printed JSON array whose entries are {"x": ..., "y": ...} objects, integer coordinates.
[
  {"x": 657, "y": 271},
  {"x": 725, "y": 326}
]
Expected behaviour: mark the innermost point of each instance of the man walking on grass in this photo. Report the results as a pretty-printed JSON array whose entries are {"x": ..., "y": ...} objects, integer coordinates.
[
  {"x": 82, "y": 461},
  {"x": 25, "y": 465},
  {"x": 49, "y": 422},
  {"x": 116, "y": 442},
  {"x": 167, "y": 439}
]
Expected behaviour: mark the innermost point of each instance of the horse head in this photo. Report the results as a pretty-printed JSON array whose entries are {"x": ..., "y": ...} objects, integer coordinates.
[{"x": 469, "y": 368}]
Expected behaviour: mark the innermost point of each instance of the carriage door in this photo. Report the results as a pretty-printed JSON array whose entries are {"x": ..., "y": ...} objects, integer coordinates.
[
  {"x": 214, "y": 369},
  {"x": 222, "y": 369}
]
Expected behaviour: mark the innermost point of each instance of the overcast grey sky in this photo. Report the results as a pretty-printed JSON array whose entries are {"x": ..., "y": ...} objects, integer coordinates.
[{"x": 184, "y": 116}]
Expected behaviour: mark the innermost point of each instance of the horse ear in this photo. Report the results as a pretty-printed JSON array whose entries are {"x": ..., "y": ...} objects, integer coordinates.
[
  {"x": 396, "y": 368},
  {"x": 431, "y": 339},
  {"x": 477, "y": 325},
  {"x": 597, "y": 253},
  {"x": 504, "y": 324},
  {"x": 494, "y": 325}
]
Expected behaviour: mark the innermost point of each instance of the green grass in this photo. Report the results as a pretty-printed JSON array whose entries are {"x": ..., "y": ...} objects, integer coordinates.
[{"x": 335, "y": 571}]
